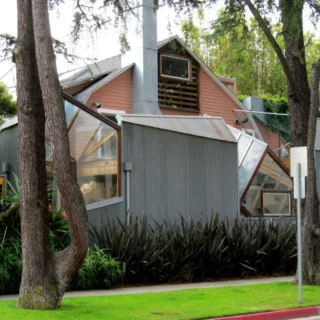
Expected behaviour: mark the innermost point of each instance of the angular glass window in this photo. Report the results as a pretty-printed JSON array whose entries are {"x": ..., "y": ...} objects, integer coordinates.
[
  {"x": 270, "y": 191},
  {"x": 175, "y": 67},
  {"x": 94, "y": 156}
]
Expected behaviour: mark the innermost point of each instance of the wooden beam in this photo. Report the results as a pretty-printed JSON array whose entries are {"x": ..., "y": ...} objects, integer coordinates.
[
  {"x": 89, "y": 142},
  {"x": 261, "y": 187},
  {"x": 98, "y": 145},
  {"x": 73, "y": 119},
  {"x": 98, "y": 168},
  {"x": 177, "y": 91},
  {"x": 191, "y": 86},
  {"x": 90, "y": 111},
  {"x": 177, "y": 97},
  {"x": 167, "y": 101}
]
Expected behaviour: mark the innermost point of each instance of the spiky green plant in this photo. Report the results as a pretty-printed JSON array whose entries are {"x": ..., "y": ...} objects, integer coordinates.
[{"x": 200, "y": 249}]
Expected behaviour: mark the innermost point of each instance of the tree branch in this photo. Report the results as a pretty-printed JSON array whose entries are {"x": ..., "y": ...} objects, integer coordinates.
[
  {"x": 265, "y": 28},
  {"x": 79, "y": 6}
]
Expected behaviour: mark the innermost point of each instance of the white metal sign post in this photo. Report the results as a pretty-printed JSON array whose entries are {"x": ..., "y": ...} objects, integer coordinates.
[{"x": 299, "y": 170}]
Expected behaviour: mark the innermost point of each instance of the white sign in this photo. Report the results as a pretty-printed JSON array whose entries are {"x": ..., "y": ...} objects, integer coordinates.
[{"x": 298, "y": 155}]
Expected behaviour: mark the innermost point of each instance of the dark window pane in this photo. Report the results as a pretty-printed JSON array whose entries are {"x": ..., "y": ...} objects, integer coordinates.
[{"x": 175, "y": 67}]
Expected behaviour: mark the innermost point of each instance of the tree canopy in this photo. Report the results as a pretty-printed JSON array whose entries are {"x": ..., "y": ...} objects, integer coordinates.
[
  {"x": 7, "y": 104},
  {"x": 244, "y": 52}
]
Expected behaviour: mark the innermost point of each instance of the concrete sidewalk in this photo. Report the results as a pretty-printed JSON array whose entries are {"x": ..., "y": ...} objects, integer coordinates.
[{"x": 166, "y": 287}]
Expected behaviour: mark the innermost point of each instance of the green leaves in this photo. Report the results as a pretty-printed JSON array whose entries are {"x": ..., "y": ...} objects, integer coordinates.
[
  {"x": 277, "y": 122},
  {"x": 200, "y": 249},
  {"x": 99, "y": 271},
  {"x": 7, "y": 104}
]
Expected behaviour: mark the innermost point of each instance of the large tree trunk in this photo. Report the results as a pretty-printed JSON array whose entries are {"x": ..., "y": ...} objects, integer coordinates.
[
  {"x": 303, "y": 110},
  {"x": 70, "y": 260},
  {"x": 45, "y": 274},
  {"x": 298, "y": 86},
  {"x": 36, "y": 290},
  {"x": 303, "y": 117},
  {"x": 311, "y": 223}
]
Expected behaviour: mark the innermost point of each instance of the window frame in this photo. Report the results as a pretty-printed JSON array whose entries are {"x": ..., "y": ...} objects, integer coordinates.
[
  {"x": 269, "y": 152},
  {"x": 266, "y": 191},
  {"x": 110, "y": 123},
  {"x": 177, "y": 57}
]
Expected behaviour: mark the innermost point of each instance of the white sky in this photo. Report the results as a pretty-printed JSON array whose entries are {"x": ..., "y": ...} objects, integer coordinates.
[
  {"x": 104, "y": 44},
  {"x": 100, "y": 46}
]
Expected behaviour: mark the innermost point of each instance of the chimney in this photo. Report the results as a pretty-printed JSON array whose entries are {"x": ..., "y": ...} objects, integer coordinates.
[{"x": 144, "y": 54}]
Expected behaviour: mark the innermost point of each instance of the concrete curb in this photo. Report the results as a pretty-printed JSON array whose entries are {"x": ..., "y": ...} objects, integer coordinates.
[{"x": 276, "y": 315}]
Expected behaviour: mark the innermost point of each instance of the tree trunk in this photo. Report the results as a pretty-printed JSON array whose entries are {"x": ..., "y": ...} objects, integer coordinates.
[
  {"x": 37, "y": 275},
  {"x": 311, "y": 223},
  {"x": 303, "y": 107},
  {"x": 69, "y": 261},
  {"x": 45, "y": 274}
]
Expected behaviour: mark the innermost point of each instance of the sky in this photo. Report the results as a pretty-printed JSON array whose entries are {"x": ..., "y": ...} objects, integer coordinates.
[{"x": 99, "y": 46}]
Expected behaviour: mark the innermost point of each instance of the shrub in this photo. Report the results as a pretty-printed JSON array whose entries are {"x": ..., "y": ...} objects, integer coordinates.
[
  {"x": 198, "y": 249},
  {"x": 99, "y": 271}
]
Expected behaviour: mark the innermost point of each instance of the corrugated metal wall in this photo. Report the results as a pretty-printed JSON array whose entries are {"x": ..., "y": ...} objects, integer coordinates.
[
  {"x": 9, "y": 151},
  {"x": 177, "y": 174},
  {"x": 99, "y": 217}
]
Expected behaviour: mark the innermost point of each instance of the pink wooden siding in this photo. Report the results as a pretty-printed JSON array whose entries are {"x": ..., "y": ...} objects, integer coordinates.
[
  {"x": 213, "y": 101},
  {"x": 115, "y": 95}
]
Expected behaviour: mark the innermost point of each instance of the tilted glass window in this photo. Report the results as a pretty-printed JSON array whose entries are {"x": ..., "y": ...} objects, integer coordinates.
[
  {"x": 251, "y": 159},
  {"x": 94, "y": 156},
  {"x": 269, "y": 192},
  {"x": 175, "y": 67}
]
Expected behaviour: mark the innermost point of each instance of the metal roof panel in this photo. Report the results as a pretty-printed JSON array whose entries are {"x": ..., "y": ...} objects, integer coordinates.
[{"x": 207, "y": 127}]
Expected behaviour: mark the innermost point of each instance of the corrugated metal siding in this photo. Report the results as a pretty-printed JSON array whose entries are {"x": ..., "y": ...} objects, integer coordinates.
[
  {"x": 177, "y": 174},
  {"x": 99, "y": 217},
  {"x": 9, "y": 150}
]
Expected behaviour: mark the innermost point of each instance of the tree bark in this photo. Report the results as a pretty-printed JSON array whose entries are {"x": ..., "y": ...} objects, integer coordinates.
[
  {"x": 37, "y": 273},
  {"x": 298, "y": 89},
  {"x": 69, "y": 261},
  {"x": 303, "y": 115},
  {"x": 45, "y": 274},
  {"x": 311, "y": 223}
]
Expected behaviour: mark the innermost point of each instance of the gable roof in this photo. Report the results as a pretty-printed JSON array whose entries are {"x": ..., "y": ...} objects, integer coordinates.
[
  {"x": 90, "y": 71},
  {"x": 84, "y": 95},
  {"x": 108, "y": 68},
  {"x": 215, "y": 78}
]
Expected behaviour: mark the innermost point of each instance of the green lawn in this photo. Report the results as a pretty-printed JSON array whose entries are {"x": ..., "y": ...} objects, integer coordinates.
[{"x": 187, "y": 304}]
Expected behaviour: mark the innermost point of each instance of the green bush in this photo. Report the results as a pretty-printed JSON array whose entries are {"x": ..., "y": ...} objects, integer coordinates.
[
  {"x": 198, "y": 250},
  {"x": 277, "y": 105},
  {"x": 99, "y": 271}
]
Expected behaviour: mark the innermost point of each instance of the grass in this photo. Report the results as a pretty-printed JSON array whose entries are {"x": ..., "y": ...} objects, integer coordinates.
[{"x": 187, "y": 304}]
